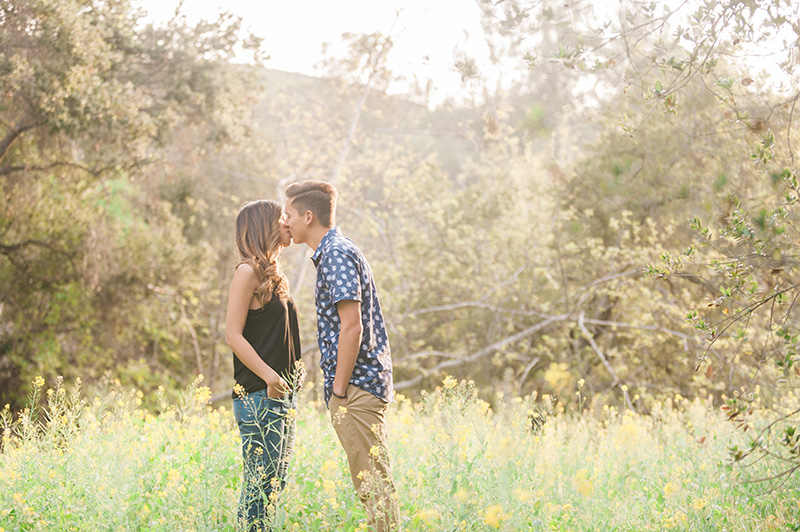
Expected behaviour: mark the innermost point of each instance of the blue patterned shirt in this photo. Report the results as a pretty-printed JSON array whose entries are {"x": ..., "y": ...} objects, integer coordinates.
[{"x": 343, "y": 273}]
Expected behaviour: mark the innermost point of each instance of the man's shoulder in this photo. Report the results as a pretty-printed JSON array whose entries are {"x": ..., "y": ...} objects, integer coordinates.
[{"x": 342, "y": 245}]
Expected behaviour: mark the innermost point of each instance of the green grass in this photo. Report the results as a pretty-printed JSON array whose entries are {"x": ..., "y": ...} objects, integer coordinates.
[{"x": 458, "y": 465}]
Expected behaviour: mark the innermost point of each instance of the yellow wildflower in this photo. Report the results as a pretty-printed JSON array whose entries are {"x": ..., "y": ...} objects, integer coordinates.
[
  {"x": 494, "y": 516},
  {"x": 173, "y": 476},
  {"x": 202, "y": 395},
  {"x": 670, "y": 488},
  {"x": 522, "y": 495},
  {"x": 38, "y": 382},
  {"x": 582, "y": 483},
  {"x": 557, "y": 376},
  {"x": 699, "y": 504},
  {"x": 428, "y": 514},
  {"x": 449, "y": 382}
]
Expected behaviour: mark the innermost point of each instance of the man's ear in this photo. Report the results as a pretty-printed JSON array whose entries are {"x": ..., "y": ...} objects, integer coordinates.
[{"x": 309, "y": 217}]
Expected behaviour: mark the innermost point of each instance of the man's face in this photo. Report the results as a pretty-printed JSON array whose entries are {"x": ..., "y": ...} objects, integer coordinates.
[{"x": 294, "y": 222}]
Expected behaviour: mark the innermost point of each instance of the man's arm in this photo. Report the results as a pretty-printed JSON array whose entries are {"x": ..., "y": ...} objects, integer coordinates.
[{"x": 349, "y": 343}]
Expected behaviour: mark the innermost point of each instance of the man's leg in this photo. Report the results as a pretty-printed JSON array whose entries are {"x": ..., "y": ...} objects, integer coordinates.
[{"x": 361, "y": 428}]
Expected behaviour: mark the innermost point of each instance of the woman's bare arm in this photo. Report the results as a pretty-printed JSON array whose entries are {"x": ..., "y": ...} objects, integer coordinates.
[{"x": 243, "y": 286}]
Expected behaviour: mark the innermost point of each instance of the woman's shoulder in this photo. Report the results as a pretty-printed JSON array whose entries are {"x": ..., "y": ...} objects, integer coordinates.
[
  {"x": 246, "y": 274},
  {"x": 245, "y": 269}
]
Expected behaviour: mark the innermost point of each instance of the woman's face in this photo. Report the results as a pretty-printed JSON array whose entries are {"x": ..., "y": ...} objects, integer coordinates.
[{"x": 286, "y": 237}]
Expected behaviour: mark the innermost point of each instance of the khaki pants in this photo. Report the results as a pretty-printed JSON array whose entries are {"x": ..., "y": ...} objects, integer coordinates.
[{"x": 361, "y": 428}]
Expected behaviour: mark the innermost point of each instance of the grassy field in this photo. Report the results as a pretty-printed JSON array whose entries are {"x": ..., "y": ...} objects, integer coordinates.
[{"x": 459, "y": 465}]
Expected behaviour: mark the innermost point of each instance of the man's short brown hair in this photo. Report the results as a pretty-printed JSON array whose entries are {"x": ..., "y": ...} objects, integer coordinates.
[{"x": 318, "y": 197}]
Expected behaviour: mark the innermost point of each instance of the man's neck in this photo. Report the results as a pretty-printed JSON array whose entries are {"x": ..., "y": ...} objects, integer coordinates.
[{"x": 316, "y": 235}]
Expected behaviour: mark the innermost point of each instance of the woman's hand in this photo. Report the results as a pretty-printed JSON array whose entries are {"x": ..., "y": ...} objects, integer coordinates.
[
  {"x": 245, "y": 281},
  {"x": 277, "y": 387}
]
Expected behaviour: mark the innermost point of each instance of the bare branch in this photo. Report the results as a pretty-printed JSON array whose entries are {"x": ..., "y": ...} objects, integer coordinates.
[
  {"x": 778, "y": 420},
  {"x": 8, "y": 249},
  {"x": 12, "y": 169},
  {"x": 640, "y": 327},
  {"x": 12, "y": 136},
  {"x": 383, "y": 49},
  {"x": 430, "y": 353},
  {"x": 588, "y": 288},
  {"x": 530, "y": 331},
  {"x": 596, "y": 348},
  {"x": 747, "y": 312},
  {"x": 789, "y": 129},
  {"x": 525, "y": 373},
  {"x": 786, "y": 475},
  {"x": 479, "y": 302}
]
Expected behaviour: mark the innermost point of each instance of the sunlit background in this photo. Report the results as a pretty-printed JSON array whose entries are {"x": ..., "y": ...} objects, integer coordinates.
[
  {"x": 428, "y": 36},
  {"x": 525, "y": 178},
  {"x": 582, "y": 219}
]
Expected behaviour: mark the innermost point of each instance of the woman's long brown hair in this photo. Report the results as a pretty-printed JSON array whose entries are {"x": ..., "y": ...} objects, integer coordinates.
[{"x": 258, "y": 240}]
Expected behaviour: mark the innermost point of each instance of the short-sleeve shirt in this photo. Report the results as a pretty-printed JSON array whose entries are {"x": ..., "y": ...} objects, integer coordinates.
[{"x": 343, "y": 273}]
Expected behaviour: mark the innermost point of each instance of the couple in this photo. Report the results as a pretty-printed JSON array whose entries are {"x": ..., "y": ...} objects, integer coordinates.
[{"x": 262, "y": 330}]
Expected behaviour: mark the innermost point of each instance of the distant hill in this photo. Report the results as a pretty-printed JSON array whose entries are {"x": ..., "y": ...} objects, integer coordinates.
[{"x": 448, "y": 131}]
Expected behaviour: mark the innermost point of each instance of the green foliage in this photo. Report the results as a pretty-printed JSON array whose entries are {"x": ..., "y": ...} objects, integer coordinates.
[
  {"x": 458, "y": 463},
  {"x": 719, "y": 119},
  {"x": 748, "y": 250},
  {"x": 96, "y": 271}
]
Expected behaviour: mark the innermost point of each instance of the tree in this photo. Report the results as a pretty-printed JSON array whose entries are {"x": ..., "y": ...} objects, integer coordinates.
[
  {"x": 743, "y": 256},
  {"x": 92, "y": 261}
]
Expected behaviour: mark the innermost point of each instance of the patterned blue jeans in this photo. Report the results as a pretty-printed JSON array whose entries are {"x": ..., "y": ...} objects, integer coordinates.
[{"x": 267, "y": 429}]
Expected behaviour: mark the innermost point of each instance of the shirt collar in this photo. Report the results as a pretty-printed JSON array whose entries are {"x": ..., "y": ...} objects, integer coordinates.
[{"x": 334, "y": 231}]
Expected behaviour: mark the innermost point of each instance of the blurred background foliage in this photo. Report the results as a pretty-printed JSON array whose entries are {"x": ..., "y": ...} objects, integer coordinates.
[{"x": 622, "y": 212}]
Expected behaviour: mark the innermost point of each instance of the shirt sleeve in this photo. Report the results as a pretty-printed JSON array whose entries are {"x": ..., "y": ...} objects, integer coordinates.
[{"x": 340, "y": 270}]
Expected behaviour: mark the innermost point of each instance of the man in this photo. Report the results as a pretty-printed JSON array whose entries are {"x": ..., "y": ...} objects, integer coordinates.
[{"x": 354, "y": 349}]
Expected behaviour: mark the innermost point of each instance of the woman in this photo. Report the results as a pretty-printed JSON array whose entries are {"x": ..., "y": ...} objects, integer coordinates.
[{"x": 262, "y": 330}]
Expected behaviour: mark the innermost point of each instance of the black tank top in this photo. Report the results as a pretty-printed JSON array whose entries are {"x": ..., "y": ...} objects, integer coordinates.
[{"x": 274, "y": 333}]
